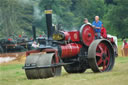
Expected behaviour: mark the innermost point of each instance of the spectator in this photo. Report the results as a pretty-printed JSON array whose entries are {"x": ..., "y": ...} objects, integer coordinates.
[
  {"x": 97, "y": 27},
  {"x": 35, "y": 45},
  {"x": 124, "y": 48}
]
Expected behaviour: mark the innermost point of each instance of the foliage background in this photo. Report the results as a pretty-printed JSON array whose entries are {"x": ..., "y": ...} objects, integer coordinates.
[{"x": 17, "y": 16}]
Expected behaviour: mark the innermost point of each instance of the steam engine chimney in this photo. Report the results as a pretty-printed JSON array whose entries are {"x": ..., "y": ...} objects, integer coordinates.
[
  {"x": 34, "y": 32},
  {"x": 48, "y": 13}
]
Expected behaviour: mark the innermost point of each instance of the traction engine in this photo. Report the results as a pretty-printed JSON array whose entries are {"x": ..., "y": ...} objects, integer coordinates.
[{"x": 75, "y": 50}]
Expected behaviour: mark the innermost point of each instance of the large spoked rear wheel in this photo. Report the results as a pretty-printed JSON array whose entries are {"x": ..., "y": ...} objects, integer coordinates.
[
  {"x": 101, "y": 56},
  {"x": 38, "y": 59}
]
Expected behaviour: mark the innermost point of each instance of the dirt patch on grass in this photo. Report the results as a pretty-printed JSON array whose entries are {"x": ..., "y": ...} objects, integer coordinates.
[{"x": 19, "y": 59}]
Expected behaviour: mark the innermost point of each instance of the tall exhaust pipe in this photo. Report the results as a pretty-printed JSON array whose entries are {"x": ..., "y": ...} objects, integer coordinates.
[
  {"x": 34, "y": 32},
  {"x": 48, "y": 13}
]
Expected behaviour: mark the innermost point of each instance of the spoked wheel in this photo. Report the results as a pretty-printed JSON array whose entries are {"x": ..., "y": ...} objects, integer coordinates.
[
  {"x": 101, "y": 56},
  {"x": 75, "y": 68},
  {"x": 40, "y": 60}
]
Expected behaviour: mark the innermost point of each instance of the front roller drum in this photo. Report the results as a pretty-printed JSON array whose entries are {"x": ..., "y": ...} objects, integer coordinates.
[
  {"x": 38, "y": 59},
  {"x": 101, "y": 56}
]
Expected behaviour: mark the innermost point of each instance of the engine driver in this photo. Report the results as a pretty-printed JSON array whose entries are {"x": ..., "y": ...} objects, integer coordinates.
[{"x": 97, "y": 24}]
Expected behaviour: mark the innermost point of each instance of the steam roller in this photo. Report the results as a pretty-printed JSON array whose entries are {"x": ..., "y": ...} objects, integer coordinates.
[
  {"x": 39, "y": 61},
  {"x": 75, "y": 50}
]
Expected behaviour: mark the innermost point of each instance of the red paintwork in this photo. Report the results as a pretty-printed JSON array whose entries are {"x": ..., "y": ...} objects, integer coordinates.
[
  {"x": 20, "y": 36},
  {"x": 70, "y": 50},
  {"x": 40, "y": 36},
  {"x": 9, "y": 39},
  {"x": 102, "y": 49},
  {"x": 66, "y": 35},
  {"x": 126, "y": 45},
  {"x": 88, "y": 35},
  {"x": 75, "y": 36},
  {"x": 111, "y": 40},
  {"x": 32, "y": 51},
  {"x": 103, "y": 32}
]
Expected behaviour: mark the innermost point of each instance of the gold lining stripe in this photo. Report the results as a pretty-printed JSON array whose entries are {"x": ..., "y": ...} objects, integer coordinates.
[{"x": 48, "y": 11}]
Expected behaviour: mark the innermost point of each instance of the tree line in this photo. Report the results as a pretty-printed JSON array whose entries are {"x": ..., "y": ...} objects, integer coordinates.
[{"x": 18, "y": 16}]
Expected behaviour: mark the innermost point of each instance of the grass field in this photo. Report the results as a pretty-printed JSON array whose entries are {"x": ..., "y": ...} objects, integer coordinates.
[{"x": 13, "y": 74}]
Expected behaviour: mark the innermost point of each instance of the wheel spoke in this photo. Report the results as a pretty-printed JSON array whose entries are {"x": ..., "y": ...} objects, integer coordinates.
[
  {"x": 105, "y": 50},
  {"x": 104, "y": 65},
  {"x": 99, "y": 62},
  {"x": 99, "y": 54},
  {"x": 101, "y": 49}
]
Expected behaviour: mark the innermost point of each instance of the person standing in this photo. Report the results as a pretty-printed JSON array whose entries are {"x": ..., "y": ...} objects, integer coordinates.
[
  {"x": 86, "y": 21},
  {"x": 124, "y": 48},
  {"x": 97, "y": 24}
]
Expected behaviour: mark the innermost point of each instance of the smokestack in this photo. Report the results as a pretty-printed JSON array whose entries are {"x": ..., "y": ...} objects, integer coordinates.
[
  {"x": 48, "y": 13},
  {"x": 34, "y": 32}
]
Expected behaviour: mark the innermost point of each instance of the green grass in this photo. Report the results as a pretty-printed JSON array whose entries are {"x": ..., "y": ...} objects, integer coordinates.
[{"x": 13, "y": 74}]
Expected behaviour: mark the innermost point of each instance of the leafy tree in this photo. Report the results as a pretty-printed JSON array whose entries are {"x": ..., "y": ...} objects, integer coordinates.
[
  {"x": 117, "y": 18},
  {"x": 17, "y": 16},
  {"x": 61, "y": 10},
  {"x": 87, "y": 9}
]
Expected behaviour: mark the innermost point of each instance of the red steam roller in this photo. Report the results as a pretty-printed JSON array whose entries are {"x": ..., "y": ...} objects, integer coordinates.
[{"x": 75, "y": 50}]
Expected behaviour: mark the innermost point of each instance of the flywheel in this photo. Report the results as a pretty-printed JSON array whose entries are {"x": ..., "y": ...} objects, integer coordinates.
[{"x": 87, "y": 34}]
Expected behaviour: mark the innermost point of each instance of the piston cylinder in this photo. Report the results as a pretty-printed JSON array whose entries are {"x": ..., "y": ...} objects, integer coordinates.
[{"x": 69, "y": 50}]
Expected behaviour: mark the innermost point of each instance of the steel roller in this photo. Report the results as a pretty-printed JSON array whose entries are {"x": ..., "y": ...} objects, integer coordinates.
[{"x": 38, "y": 60}]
